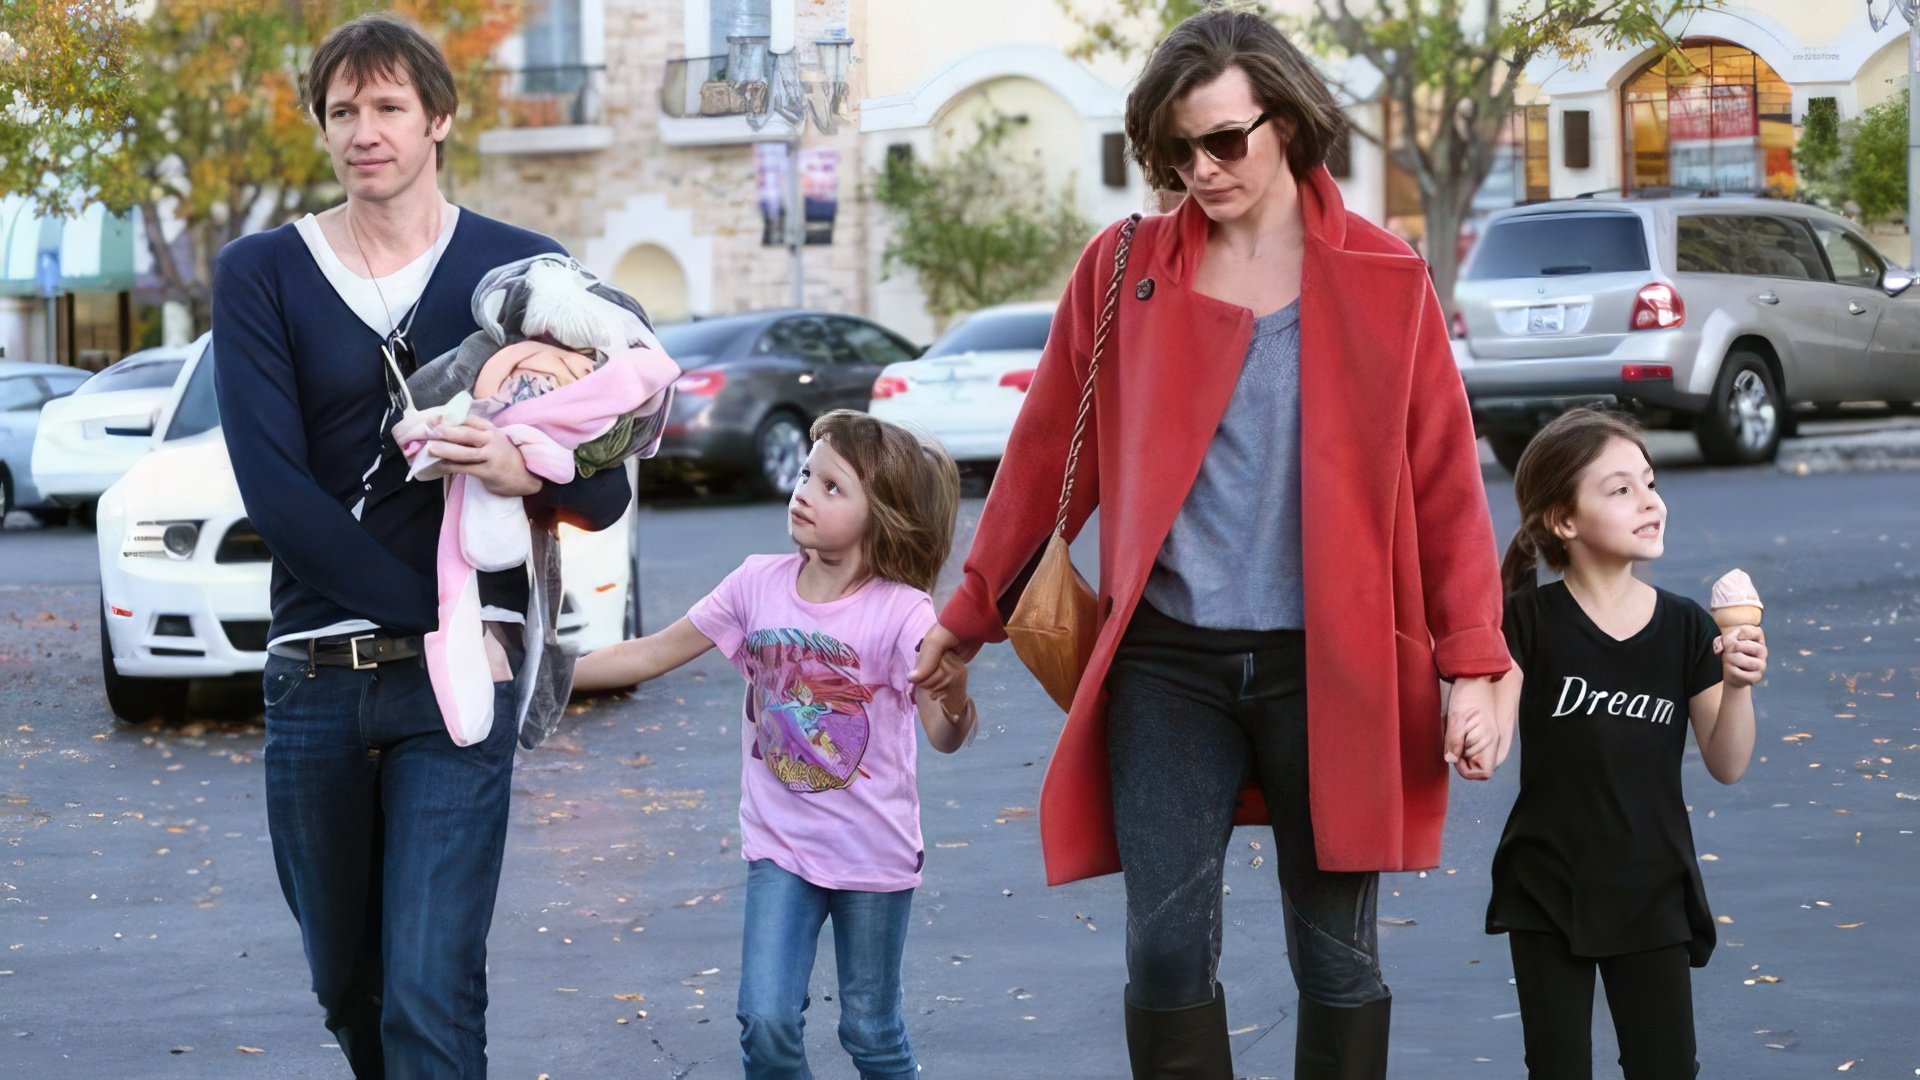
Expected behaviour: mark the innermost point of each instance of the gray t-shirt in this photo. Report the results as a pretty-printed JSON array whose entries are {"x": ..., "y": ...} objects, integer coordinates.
[{"x": 1232, "y": 559}]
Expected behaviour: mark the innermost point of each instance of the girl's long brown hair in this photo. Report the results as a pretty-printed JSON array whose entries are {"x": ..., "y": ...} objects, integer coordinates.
[
  {"x": 913, "y": 494},
  {"x": 1546, "y": 484}
]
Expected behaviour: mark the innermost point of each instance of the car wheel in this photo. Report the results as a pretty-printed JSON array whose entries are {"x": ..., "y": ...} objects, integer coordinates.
[
  {"x": 1742, "y": 423},
  {"x": 1508, "y": 446},
  {"x": 138, "y": 700},
  {"x": 779, "y": 451},
  {"x": 6, "y": 496}
]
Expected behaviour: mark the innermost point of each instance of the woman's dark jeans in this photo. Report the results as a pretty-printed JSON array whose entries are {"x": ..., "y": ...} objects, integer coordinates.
[{"x": 1191, "y": 712}]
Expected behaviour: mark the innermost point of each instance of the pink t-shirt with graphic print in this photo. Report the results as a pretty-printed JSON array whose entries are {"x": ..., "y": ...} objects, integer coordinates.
[{"x": 830, "y": 740}]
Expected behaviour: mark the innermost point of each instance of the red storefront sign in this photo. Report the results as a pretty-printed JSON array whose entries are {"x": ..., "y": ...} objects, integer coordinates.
[{"x": 1711, "y": 112}]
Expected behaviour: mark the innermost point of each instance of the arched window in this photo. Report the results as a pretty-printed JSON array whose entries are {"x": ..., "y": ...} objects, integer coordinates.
[{"x": 1709, "y": 115}]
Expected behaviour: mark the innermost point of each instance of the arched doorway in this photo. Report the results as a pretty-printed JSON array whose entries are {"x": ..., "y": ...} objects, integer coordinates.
[
  {"x": 1045, "y": 133},
  {"x": 1709, "y": 115},
  {"x": 653, "y": 276}
]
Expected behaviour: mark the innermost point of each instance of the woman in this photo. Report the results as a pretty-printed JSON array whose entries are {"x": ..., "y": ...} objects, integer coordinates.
[{"x": 1294, "y": 549}]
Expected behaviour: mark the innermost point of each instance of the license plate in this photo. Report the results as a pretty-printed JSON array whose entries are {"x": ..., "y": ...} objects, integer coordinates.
[{"x": 1546, "y": 320}]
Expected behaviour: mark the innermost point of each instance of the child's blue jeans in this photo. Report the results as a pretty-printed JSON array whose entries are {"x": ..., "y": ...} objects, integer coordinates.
[{"x": 784, "y": 915}]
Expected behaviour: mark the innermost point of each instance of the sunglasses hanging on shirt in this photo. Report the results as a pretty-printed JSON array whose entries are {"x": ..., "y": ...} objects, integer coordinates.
[
  {"x": 397, "y": 361},
  {"x": 1222, "y": 144}
]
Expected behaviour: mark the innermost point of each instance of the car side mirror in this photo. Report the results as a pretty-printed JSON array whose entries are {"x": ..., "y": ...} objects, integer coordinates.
[
  {"x": 1896, "y": 280},
  {"x": 152, "y": 420}
]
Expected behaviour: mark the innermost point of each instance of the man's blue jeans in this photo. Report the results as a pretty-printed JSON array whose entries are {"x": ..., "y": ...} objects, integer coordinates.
[
  {"x": 784, "y": 915},
  {"x": 388, "y": 840}
]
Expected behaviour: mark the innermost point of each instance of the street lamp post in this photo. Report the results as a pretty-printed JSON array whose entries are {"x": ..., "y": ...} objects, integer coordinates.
[
  {"x": 778, "y": 88},
  {"x": 1880, "y": 13}
]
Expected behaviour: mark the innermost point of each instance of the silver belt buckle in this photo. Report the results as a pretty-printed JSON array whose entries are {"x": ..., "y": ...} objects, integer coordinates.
[{"x": 353, "y": 649}]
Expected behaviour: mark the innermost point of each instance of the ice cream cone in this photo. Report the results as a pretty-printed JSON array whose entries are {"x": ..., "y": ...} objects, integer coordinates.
[{"x": 1738, "y": 615}]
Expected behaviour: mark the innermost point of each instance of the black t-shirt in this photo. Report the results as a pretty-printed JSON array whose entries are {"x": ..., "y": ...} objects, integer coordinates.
[{"x": 1598, "y": 847}]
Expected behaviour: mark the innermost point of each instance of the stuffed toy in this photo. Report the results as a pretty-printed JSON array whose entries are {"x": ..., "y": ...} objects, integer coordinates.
[{"x": 568, "y": 368}]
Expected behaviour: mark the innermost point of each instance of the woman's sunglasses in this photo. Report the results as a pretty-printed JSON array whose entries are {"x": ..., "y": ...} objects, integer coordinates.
[{"x": 1222, "y": 145}]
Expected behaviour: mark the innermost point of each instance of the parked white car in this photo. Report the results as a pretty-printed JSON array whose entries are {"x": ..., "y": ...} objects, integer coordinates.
[
  {"x": 90, "y": 438},
  {"x": 24, "y": 391},
  {"x": 967, "y": 388},
  {"x": 184, "y": 577}
]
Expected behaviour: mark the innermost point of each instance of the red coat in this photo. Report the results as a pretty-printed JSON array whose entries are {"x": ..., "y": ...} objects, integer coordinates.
[{"x": 1401, "y": 582}]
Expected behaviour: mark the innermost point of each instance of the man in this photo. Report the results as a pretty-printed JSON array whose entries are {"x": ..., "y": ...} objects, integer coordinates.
[{"x": 387, "y": 837}]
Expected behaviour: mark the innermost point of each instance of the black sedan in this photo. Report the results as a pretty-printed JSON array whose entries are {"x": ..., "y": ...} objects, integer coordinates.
[{"x": 753, "y": 384}]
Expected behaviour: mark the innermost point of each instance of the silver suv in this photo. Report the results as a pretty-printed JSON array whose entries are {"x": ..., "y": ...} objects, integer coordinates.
[{"x": 1718, "y": 314}]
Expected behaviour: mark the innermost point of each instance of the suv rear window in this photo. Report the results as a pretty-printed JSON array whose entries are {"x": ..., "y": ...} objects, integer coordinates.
[{"x": 1557, "y": 245}]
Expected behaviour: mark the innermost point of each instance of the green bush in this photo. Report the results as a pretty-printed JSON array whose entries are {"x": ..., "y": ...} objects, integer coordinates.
[
  {"x": 980, "y": 228},
  {"x": 1819, "y": 153},
  {"x": 1874, "y": 169}
]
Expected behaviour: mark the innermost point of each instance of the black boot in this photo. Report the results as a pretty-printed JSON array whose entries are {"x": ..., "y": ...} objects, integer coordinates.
[
  {"x": 1180, "y": 1044},
  {"x": 1332, "y": 1043}
]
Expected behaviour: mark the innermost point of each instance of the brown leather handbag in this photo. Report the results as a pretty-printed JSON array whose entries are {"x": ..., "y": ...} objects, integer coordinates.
[{"x": 1054, "y": 625}]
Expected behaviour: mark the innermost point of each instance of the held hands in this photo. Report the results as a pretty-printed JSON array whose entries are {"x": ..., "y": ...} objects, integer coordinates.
[
  {"x": 477, "y": 449},
  {"x": 1743, "y": 656},
  {"x": 1475, "y": 745},
  {"x": 942, "y": 659}
]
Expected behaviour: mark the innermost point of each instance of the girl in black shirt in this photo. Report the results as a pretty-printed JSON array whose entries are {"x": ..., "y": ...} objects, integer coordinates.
[{"x": 1596, "y": 868}]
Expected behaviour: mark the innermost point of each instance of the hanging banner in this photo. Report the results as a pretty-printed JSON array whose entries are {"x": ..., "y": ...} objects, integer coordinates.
[
  {"x": 820, "y": 187},
  {"x": 770, "y": 166}
]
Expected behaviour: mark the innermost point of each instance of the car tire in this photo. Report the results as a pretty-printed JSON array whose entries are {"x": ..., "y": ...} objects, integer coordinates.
[
  {"x": 780, "y": 446},
  {"x": 1508, "y": 446},
  {"x": 6, "y": 496},
  {"x": 135, "y": 701},
  {"x": 1741, "y": 425}
]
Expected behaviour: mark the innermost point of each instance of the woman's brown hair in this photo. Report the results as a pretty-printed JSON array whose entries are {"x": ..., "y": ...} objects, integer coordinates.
[
  {"x": 1546, "y": 484},
  {"x": 379, "y": 45},
  {"x": 913, "y": 494},
  {"x": 1199, "y": 51}
]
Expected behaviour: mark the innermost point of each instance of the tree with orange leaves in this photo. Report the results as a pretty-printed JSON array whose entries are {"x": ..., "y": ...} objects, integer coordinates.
[{"x": 193, "y": 111}]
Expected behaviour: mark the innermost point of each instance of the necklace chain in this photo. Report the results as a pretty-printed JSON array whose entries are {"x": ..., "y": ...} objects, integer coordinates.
[{"x": 392, "y": 324}]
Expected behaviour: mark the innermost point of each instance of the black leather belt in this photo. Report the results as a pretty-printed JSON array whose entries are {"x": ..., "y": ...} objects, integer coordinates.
[{"x": 361, "y": 652}]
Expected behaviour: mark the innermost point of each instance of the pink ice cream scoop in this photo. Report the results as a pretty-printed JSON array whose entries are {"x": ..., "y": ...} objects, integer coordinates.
[{"x": 1735, "y": 601}]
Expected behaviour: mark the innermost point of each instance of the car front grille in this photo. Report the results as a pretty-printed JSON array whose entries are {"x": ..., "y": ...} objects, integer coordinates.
[
  {"x": 242, "y": 544},
  {"x": 249, "y": 635}
]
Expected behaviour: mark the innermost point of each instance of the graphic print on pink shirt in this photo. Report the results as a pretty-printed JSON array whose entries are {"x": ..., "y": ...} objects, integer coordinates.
[{"x": 809, "y": 708}]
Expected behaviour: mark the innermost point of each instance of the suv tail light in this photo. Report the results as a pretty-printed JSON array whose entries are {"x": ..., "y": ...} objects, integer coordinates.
[
  {"x": 888, "y": 386},
  {"x": 1658, "y": 307},
  {"x": 701, "y": 383},
  {"x": 1019, "y": 380},
  {"x": 1646, "y": 372},
  {"x": 1459, "y": 326}
]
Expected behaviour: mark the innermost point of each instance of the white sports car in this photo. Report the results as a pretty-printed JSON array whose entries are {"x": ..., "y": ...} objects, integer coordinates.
[
  {"x": 89, "y": 439},
  {"x": 184, "y": 577},
  {"x": 967, "y": 388}
]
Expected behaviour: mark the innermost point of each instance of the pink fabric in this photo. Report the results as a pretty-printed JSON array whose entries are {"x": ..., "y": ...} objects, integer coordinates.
[
  {"x": 828, "y": 741},
  {"x": 546, "y": 429}
]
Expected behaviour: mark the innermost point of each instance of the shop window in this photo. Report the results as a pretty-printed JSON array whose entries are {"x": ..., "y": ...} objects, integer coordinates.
[{"x": 1710, "y": 115}]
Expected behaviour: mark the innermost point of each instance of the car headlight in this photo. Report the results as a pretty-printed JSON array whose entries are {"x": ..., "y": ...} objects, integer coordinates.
[{"x": 161, "y": 539}]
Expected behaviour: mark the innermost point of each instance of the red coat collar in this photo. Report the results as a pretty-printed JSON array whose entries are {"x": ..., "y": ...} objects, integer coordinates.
[{"x": 1322, "y": 209}]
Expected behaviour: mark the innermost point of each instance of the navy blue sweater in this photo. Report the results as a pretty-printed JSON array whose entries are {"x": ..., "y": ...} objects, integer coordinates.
[{"x": 302, "y": 396}]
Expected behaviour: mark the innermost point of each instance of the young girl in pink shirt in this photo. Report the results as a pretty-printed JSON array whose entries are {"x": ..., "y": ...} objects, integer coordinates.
[{"x": 829, "y": 807}]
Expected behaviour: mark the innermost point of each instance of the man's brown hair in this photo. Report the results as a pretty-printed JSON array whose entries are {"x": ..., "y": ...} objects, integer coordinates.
[
  {"x": 913, "y": 495},
  {"x": 380, "y": 45},
  {"x": 1200, "y": 50}
]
